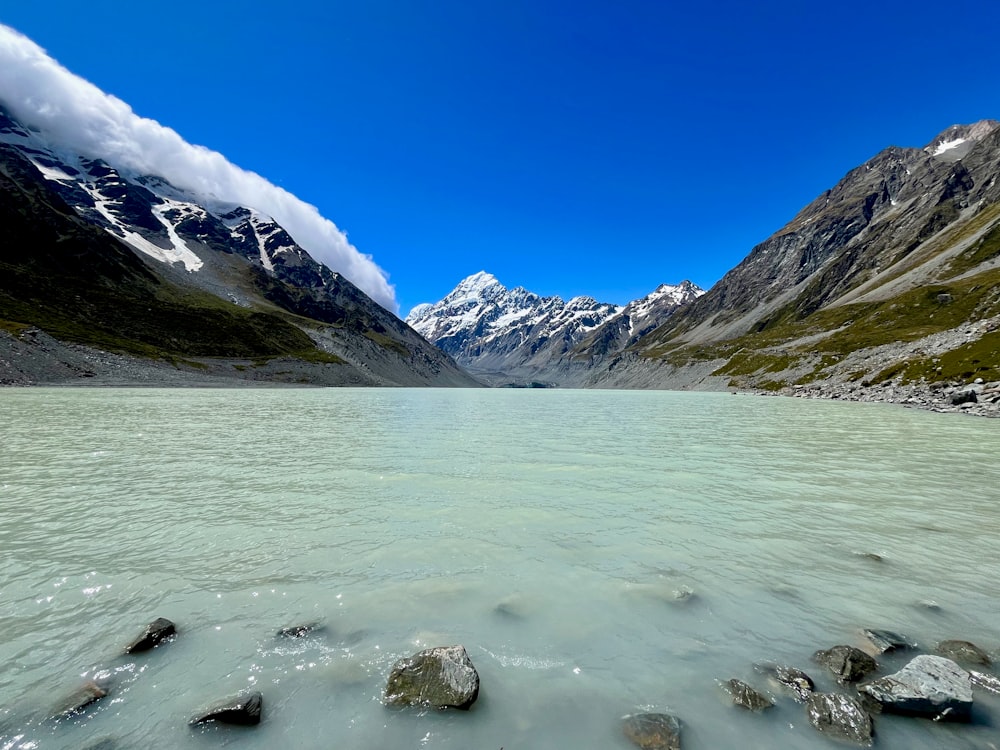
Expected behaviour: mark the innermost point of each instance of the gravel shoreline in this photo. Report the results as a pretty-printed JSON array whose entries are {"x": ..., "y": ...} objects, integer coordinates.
[{"x": 936, "y": 397}]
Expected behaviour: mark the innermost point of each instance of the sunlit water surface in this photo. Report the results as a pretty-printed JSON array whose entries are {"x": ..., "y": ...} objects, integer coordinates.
[{"x": 597, "y": 553}]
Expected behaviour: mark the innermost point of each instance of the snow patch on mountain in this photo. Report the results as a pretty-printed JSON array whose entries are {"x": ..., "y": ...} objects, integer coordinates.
[
  {"x": 489, "y": 328},
  {"x": 948, "y": 145}
]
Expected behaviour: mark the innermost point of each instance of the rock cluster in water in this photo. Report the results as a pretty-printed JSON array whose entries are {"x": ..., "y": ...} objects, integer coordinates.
[{"x": 931, "y": 686}]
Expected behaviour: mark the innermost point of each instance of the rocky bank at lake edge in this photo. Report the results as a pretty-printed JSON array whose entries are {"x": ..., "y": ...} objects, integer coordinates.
[{"x": 37, "y": 359}]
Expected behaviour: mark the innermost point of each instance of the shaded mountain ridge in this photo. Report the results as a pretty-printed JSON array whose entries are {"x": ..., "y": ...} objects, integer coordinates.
[{"x": 99, "y": 257}]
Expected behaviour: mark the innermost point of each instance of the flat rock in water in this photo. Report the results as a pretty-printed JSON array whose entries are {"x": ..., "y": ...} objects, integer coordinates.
[
  {"x": 840, "y": 716},
  {"x": 847, "y": 663},
  {"x": 885, "y": 641},
  {"x": 930, "y": 686},
  {"x": 244, "y": 710},
  {"x": 155, "y": 633},
  {"x": 82, "y": 699},
  {"x": 963, "y": 652},
  {"x": 745, "y": 696},
  {"x": 442, "y": 677},
  {"x": 653, "y": 731}
]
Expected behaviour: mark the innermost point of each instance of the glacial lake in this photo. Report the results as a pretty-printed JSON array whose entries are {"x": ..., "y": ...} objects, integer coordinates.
[{"x": 597, "y": 553}]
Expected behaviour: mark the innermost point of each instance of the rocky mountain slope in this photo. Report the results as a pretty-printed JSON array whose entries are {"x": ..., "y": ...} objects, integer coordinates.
[
  {"x": 891, "y": 277},
  {"x": 97, "y": 257},
  {"x": 513, "y": 335}
]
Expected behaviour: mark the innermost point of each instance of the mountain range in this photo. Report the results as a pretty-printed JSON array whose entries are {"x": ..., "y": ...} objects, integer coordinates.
[
  {"x": 891, "y": 276},
  {"x": 98, "y": 257},
  {"x": 514, "y": 336}
]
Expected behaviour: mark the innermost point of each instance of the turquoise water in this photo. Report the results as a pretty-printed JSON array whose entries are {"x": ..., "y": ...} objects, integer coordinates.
[{"x": 597, "y": 553}]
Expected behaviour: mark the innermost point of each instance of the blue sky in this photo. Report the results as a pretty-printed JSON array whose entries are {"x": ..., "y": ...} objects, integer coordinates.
[{"x": 569, "y": 147}]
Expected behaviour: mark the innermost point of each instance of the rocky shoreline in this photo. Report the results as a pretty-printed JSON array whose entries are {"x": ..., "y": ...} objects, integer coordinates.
[
  {"x": 886, "y": 673},
  {"x": 978, "y": 399},
  {"x": 37, "y": 359}
]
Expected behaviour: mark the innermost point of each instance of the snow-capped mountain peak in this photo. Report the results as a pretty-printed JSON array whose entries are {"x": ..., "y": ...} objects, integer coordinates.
[{"x": 489, "y": 328}]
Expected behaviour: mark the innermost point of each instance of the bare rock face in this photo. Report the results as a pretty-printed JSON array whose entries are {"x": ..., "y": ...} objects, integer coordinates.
[
  {"x": 243, "y": 710},
  {"x": 847, "y": 663},
  {"x": 930, "y": 686},
  {"x": 653, "y": 731},
  {"x": 840, "y": 716},
  {"x": 155, "y": 633},
  {"x": 442, "y": 677}
]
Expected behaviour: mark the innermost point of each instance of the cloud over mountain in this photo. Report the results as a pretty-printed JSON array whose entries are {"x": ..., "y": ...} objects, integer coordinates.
[{"x": 77, "y": 115}]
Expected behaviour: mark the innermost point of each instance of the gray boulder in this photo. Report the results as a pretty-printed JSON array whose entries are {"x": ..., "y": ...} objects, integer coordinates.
[
  {"x": 840, "y": 716},
  {"x": 442, "y": 677},
  {"x": 243, "y": 710},
  {"x": 930, "y": 686},
  {"x": 964, "y": 397},
  {"x": 653, "y": 731},
  {"x": 155, "y": 633},
  {"x": 847, "y": 663},
  {"x": 746, "y": 697},
  {"x": 963, "y": 652}
]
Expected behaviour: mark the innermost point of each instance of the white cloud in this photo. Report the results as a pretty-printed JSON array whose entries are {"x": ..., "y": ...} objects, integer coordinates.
[{"x": 76, "y": 115}]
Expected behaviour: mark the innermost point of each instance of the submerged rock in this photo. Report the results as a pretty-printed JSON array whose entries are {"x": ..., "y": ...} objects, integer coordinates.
[
  {"x": 155, "y": 633},
  {"x": 653, "y": 731},
  {"x": 963, "y": 652},
  {"x": 885, "y": 641},
  {"x": 684, "y": 595},
  {"x": 847, "y": 663},
  {"x": 794, "y": 679},
  {"x": 243, "y": 710},
  {"x": 106, "y": 744},
  {"x": 300, "y": 631},
  {"x": 442, "y": 677},
  {"x": 930, "y": 686},
  {"x": 840, "y": 716},
  {"x": 746, "y": 697},
  {"x": 82, "y": 699}
]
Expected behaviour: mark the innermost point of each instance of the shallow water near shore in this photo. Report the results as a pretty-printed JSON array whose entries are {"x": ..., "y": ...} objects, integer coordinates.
[{"x": 598, "y": 553}]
